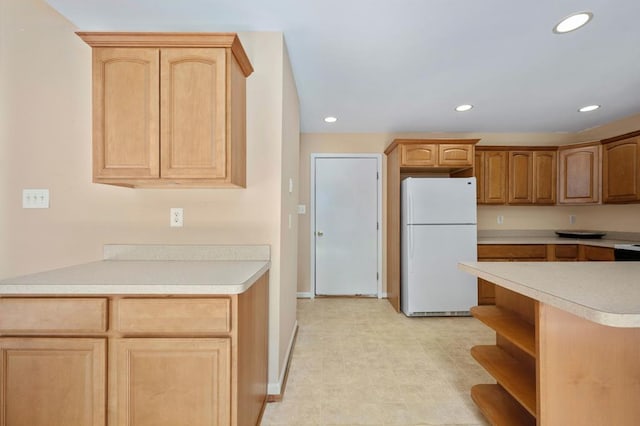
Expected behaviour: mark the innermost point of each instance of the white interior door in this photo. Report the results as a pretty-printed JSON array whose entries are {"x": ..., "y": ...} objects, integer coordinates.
[{"x": 345, "y": 231}]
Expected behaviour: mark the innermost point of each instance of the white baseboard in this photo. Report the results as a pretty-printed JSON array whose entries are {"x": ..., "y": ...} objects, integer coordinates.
[
  {"x": 309, "y": 295},
  {"x": 276, "y": 388}
]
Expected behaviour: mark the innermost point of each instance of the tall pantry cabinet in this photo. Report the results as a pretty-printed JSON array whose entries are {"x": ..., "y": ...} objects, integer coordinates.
[
  {"x": 418, "y": 158},
  {"x": 169, "y": 109}
]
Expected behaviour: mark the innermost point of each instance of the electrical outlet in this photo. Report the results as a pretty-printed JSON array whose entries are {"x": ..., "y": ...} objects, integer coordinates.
[
  {"x": 176, "y": 218},
  {"x": 35, "y": 198},
  {"x": 500, "y": 220},
  {"x": 572, "y": 219}
]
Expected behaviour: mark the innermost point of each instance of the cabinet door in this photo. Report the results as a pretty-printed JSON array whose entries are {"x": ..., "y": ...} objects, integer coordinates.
[
  {"x": 579, "y": 175},
  {"x": 478, "y": 172},
  {"x": 455, "y": 155},
  {"x": 595, "y": 253},
  {"x": 621, "y": 174},
  {"x": 422, "y": 155},
  {"x": 172, "y": 381},
  {"x": 193, "y": 111},
  {"x": 125, "y": 113},
  {"x": 520, "y": 177},
  {"x": 544, "y": 177},
  {"x": 52, "y": 381},
  {"x": 495, "y": 177}
]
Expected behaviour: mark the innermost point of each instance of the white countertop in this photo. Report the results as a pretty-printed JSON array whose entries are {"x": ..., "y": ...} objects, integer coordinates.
[
  {"x": 140, "y": 277},
  {"x": 600, "y": 242},
  {"x": 607, "y": 293},
  {"x": 152, "y": 269}
]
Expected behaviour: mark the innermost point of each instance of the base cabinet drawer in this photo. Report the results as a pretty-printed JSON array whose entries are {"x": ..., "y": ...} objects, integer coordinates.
[
  {"x": 32, "y": 315},
  {"x": 193, "y": 388},
  {"x": 52, "y": 381},
  {"x": 512, "y": 251},
  {"x": 173, "y": 315}
]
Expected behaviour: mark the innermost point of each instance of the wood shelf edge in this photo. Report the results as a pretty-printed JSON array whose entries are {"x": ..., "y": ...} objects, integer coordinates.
[
  {"x": 499, "y": 407},
  {"x": 510, "y": 373},
  {"x": 509, "y": 325}
]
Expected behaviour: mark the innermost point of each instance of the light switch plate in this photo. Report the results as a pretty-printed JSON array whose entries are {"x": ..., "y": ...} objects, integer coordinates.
[
  {"x": 35, "y": 198},
  {"x": 302, "y": 209}
]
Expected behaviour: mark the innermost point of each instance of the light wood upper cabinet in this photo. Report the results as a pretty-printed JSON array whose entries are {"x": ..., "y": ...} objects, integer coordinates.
[
  {"x": 544, "y": 177},
  {"x": 419, "y": 155},
  {"x": 491, "y": 174},
  {"x": 478, "y": 173},
  {"x": 621, "y": 169},
  {"x": 532, "y": 177},
  {"x": 52, "y": 381},
  {"x": 455, "y": 155},
  {"x": 126, "y": 113},
  {"x": 521, "y": 177},
  {"x": 169, "y": 109},
  {"x": 193, "y": 112},
  {"x": 579, "y": 174},
  {"x": 446, "y": 155}
]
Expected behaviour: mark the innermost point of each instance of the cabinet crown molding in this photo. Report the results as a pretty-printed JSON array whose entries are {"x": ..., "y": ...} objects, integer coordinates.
[
  {"x": 162, "y": 39},
  {"x": 397, "y": 142},
  {"x": 620, "y": 137}
]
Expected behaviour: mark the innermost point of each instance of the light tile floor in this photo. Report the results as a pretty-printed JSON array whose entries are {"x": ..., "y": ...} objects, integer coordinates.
[{"x": 358, "y": 362}]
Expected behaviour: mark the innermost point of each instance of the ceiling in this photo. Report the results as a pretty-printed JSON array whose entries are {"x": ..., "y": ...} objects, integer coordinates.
[{"x": 403, "y": 65}]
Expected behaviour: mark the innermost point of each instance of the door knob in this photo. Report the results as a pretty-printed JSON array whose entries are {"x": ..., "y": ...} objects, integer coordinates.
[{"x": 319, "y": 233}]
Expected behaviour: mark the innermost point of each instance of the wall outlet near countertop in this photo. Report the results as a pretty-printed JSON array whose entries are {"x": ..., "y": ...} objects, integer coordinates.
[
  {"x": 176, "y": 217},
  {"x": 572, "y": 219},
  {"x": 500, "y": 219}
]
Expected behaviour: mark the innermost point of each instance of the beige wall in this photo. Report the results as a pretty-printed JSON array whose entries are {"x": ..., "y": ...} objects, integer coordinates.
[
  {"x": 612, "y": 218},
  {"x": 289, "y": 201},
  {"x": 46, "y": 143}
]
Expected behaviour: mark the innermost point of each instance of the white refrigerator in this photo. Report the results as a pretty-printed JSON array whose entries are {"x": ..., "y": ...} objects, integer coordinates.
[{"x": 439, "y": 229}]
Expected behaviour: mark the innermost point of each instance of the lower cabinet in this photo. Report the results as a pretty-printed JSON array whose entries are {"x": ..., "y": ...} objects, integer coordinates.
[
  {"x": 534, "y": 253},
  {"x": 192, "y": 388},
  {"x": 595, "y": 253},
  {"x": 156, "y": 360},
  {"x": 554, "y": 368},
  {"x": 505, "y": 253},
  {"x": 52, "y": 381}
]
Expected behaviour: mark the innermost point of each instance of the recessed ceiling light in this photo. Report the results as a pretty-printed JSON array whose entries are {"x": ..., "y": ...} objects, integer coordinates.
[
  {"x": 589, "y": 108},
  {"x": 463, "y": 108},
  {"x": 572, "y": 22},
  {"x": 330, "y": 119}
]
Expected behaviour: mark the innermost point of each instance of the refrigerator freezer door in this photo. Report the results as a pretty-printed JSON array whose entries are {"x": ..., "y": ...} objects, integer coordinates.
[
  {"x": 431, "y": 280},
  {"x": 439, "y": 200}
]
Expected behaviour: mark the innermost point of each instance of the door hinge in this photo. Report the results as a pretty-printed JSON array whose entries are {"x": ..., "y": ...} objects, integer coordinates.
[
  {"x": 377, "y": 175},
  {"x": 377, "y": 225},
  {"x": 377, "y": 276}
]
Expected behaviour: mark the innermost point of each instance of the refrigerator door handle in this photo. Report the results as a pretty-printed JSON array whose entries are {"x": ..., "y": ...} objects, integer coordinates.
[
  {"x": 410, "y": 221},
  {"x": 410, "y": 236},
  {"x": 409, "y": 208}
]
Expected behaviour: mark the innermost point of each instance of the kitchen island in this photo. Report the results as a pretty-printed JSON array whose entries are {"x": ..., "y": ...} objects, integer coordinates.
[
  {"x": 151, "y": 335},
  {"x": 567, "y": 343}
]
